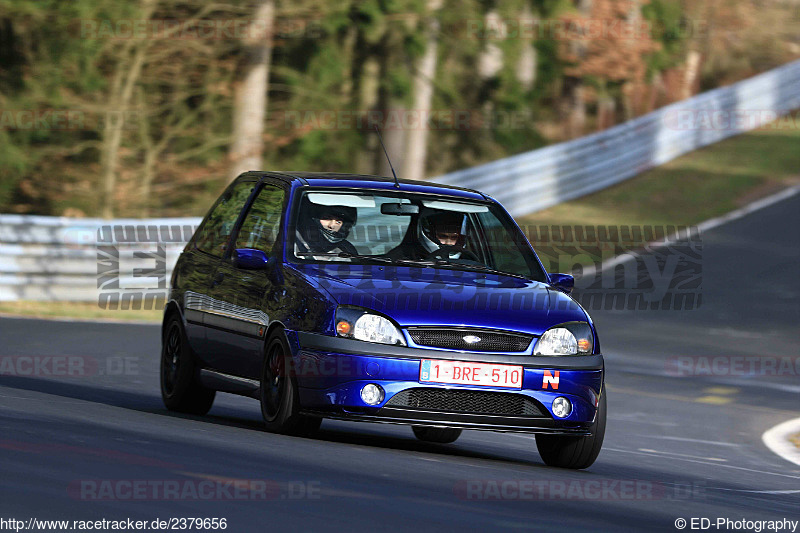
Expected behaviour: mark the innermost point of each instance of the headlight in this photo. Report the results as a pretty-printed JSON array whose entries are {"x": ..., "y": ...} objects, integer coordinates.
[
  {"x": 571, "y": 338},
  {"x": 364, "y": 325}
]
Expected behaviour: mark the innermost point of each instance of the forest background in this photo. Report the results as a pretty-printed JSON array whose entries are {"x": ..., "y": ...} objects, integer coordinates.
[{"x": 150, "y": 107}]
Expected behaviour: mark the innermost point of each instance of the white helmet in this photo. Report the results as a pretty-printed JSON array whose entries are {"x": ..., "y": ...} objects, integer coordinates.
[{"x": 433, "y": 222}]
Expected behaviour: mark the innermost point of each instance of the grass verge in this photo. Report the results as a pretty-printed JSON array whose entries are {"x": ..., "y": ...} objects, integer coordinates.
[
  {"x": 78, "y": 310},
  {"x": 698, "y": 186}
]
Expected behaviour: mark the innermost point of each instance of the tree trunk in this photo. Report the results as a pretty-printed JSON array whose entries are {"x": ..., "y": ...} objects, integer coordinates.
[
  {"x": 423, "y": 98},
  {"x": 576, "y": 121},
  {"x": 527, "y": 62},
  {"x": 393, "y": 129},
  {"x": 125, "y": 78},
  {"x": 250, "y": 92},
  {"x": 148, "y": 168},
  {"x": 369, "y": 85},
  {"x": 691, "y": 74}
]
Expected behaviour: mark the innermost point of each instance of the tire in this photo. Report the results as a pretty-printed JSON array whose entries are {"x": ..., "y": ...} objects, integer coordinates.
[
  {"x": 280, "y": 402},
  {"x": 180, "y": 387},
  {"x": 575, "y": 452},
  {"x": 437, "y": 435}
]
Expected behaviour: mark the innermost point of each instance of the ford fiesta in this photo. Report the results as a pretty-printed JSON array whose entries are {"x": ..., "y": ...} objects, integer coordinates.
[{"x": 370, "y": 299}]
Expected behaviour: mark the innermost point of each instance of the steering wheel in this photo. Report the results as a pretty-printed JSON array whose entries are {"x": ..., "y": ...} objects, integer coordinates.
[{"x": 443, "y": 253}]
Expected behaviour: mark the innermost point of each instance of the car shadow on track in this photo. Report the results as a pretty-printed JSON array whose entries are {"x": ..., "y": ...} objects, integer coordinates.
[{"x": 235, "y": 417}]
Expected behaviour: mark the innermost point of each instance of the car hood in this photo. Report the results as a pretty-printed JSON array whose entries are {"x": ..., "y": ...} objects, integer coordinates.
[{"x": 415, "y": 296}]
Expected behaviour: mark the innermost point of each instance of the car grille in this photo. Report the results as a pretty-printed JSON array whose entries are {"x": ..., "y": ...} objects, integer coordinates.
[
  {"x": 453, "y": 339},
  {"x": 466, "y": 401}
]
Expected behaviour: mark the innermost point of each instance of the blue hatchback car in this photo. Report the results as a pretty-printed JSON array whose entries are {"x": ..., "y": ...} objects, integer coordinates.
[{"x": 365, "y": 298}]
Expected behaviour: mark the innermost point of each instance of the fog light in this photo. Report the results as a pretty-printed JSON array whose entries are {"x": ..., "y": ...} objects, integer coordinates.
[
  {"x": 561, "y": 406},
  {"x": 372, "y": 394}
]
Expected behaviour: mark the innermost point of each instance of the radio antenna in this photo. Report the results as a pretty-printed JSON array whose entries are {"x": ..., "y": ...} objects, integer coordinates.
[{"x": 396, "y": 183}]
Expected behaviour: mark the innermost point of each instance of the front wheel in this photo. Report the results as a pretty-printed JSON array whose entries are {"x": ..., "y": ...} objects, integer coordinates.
[
  {"x": 180, "y": 387},
  {"x": 575, "y": 452},
  {"x": 437, "y": 435},
  {"x": 280, "y": 402}
]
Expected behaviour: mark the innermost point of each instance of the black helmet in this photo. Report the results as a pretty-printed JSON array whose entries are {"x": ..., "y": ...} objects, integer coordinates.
[
  {"x": 433, "y": 222},
  {"x": 321, "y": 239},
  {"x": 348, "y": 215}
]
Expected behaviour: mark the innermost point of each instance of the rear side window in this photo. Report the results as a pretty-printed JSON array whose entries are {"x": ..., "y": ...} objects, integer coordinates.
[
  {"x": 212, "y": 236},
  {"x": 262, "y": 223}
]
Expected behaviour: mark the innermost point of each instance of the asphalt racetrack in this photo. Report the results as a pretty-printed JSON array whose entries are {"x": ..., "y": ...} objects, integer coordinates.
[{"x": 102, "y": 445}]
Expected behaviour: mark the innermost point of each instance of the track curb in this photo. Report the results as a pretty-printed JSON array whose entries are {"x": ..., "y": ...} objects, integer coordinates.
[{"x": 777, "y": 440}]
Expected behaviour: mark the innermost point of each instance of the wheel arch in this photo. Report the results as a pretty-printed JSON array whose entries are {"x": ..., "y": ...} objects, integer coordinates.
[{"x": 171, "y": 309}]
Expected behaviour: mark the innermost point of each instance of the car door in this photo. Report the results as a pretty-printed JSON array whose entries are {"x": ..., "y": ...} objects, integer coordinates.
[
  {"x": 202, "y": 257},
  {"x": 248, "y": 298}
]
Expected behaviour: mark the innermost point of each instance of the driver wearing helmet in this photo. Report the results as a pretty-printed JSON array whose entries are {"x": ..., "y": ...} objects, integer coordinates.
[
  {"x": 324, "y": 229},
  {"x": 435, "y": 230}
]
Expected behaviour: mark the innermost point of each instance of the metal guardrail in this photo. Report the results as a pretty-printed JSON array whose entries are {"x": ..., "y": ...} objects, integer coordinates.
[
  {"x": 56, "y": 258},
  {"x": 535, "y": 180}
]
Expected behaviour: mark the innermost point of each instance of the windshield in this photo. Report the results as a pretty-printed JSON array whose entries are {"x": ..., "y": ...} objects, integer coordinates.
[{"x": 367, "y": 227}]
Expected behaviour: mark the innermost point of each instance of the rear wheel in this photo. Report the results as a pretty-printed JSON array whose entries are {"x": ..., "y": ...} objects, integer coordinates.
[
  {"x": 575, "y": 452},
  {"x": 180, "y": 387},
  {"x": 280, "y": 403},
  {"x": 437, "y": 435}
]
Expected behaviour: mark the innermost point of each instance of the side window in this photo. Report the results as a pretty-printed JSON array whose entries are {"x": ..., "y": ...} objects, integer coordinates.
[
  {"x": 262, "y": 223},
  {"x": 504, "y": 252},
  {"x": 212, "y": 237}
]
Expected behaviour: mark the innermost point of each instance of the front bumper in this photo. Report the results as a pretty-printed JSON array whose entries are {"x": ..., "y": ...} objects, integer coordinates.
[{"x": 331, "y": 372}]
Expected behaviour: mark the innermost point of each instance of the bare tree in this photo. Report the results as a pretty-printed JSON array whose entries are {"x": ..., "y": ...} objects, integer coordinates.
[
  {"x": 127, "y": 73},
  {"x": 417, "y": 141},
  {"x": 250, "y": 92}
]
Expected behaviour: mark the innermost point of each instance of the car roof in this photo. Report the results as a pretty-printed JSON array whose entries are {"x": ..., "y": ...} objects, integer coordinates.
[{"x": 334, "y": 179}]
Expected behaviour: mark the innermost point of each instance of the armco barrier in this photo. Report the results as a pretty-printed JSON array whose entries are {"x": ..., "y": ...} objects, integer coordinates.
[
  {"x": 535, "y": 180},
  {"x": 56, "y": 258},
  {"x": 53, "y": 258}
]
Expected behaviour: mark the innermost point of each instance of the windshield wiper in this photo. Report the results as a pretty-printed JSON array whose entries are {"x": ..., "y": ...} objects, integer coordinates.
[
  {"x": 416, "y": 262},
  {"x": 344, "y": 255},
  {"x": 484, "y": 268},
  {"x": 463, "y": 266}
]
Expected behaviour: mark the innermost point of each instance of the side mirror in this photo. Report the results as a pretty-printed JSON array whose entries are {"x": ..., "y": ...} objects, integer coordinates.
[
  {"x": 562, "y": 282},
  {"x": 250, "y": 259}
]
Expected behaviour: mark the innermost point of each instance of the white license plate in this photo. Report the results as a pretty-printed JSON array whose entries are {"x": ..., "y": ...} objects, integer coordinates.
[{"x": 464, "y": 373}]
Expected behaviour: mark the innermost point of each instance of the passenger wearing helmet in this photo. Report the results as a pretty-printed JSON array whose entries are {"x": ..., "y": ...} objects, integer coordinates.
[
  {"x": 324, "y": 229},
  {"x": 434, "y": 230}
]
